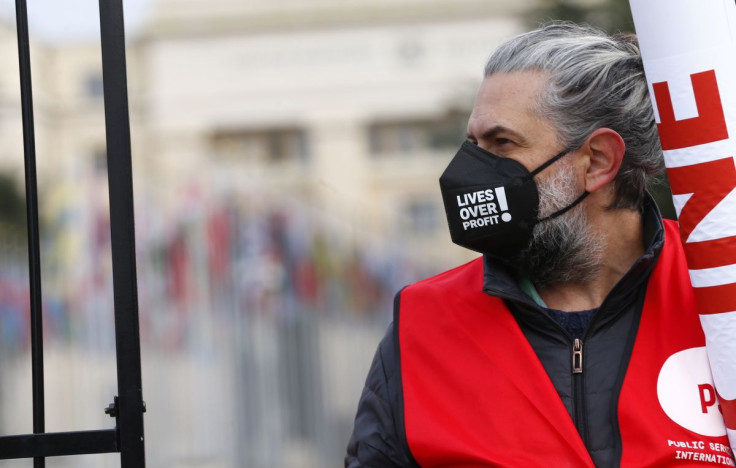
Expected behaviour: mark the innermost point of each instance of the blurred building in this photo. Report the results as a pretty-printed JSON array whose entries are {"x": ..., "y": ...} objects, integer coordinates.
[
  {"x": 355, "y": 107},
  {"x": 286, "y": 157}
]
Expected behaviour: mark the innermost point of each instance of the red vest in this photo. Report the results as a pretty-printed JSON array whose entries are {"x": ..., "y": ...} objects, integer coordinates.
[{"x": 475, "y": 393}]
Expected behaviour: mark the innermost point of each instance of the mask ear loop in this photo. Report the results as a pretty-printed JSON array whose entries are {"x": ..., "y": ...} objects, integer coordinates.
[
  {"x": 567, "y": 208},
  {"x": 544, "y": 166},
  {"x": 549, "y": 162}
]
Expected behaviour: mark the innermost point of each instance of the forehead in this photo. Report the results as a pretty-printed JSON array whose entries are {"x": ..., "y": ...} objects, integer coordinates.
[{"x": 510, "y": 100}]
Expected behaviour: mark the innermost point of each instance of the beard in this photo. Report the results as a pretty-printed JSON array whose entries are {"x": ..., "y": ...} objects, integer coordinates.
[{"x": 562, "y": 249}]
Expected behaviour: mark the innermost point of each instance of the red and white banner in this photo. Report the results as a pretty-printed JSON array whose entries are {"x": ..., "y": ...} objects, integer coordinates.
[{"x": 689, "y": 52}]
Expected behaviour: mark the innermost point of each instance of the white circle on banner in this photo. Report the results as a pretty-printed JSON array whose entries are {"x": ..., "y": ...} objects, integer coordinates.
[
  {"x": 687, "y": 395},
  {"x": 506, "y": 217}
]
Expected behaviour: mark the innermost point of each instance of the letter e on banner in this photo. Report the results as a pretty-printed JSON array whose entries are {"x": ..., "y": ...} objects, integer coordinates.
[{"x": 707, "y": 127}]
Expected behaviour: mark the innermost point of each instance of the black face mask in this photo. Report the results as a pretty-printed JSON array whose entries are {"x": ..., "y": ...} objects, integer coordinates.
[{"x": 492, "y": 203}]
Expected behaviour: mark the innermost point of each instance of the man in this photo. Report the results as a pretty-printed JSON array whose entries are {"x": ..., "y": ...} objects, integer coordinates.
[{"x": 547, "y": 350}]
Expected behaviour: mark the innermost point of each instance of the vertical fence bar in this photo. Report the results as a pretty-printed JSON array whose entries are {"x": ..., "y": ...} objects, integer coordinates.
[
  {"x": 34, "y": 255},
  {"x": 120, "y": 177}
]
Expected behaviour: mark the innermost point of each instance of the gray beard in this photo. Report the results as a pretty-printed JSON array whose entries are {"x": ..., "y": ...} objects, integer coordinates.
[{"x": 562, "y": 249}]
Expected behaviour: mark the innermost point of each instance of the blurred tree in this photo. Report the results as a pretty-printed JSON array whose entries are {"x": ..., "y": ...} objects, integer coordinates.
[
  {"x": 12, "y": 206},
  {"x": 613, "y": 16}
]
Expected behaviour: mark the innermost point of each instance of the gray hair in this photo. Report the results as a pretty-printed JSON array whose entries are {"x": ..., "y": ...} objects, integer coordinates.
[{"x": 595, "y": 81}]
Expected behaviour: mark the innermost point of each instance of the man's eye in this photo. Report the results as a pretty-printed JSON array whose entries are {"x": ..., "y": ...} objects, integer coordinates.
[{"x": 502, "y": 141}]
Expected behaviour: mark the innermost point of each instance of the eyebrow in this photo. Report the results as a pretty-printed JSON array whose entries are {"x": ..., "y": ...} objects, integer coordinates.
[{"x": 495, "y": 130}]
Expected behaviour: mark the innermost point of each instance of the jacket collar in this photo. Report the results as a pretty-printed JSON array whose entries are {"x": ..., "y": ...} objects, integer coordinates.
[{"x": 499, "y": 280}]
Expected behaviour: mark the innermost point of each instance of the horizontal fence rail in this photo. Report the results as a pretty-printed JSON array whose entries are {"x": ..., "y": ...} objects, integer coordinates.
[{"x": 54, "y": 444}]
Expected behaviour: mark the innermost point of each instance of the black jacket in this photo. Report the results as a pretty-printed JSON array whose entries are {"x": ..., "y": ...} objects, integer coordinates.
[{"x": 379, "y": 438}]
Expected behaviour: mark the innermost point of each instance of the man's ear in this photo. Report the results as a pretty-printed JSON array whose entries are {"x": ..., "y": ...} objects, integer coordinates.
[{"x": 605, "y": 149}]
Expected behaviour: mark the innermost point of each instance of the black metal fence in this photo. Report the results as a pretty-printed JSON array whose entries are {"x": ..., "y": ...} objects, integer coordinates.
[{"x": 127, "y": 407}]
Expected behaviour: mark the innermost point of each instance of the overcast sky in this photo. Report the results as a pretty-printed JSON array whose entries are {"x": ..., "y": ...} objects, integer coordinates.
[{"x": 71, "y": 20}]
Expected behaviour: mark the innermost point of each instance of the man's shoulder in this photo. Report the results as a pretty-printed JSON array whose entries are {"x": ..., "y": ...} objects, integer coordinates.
[
  {"x": 670, "y": 225},
  {"x": 672, "y": 244},
  {"x": 468, "y": 274}
]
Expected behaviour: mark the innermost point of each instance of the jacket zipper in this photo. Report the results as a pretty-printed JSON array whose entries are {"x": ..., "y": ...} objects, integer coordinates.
[
  {"x": 578, "y": 390},
  {"x": 578, "y": 403},
  {"x": 577, "y": 356}
]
